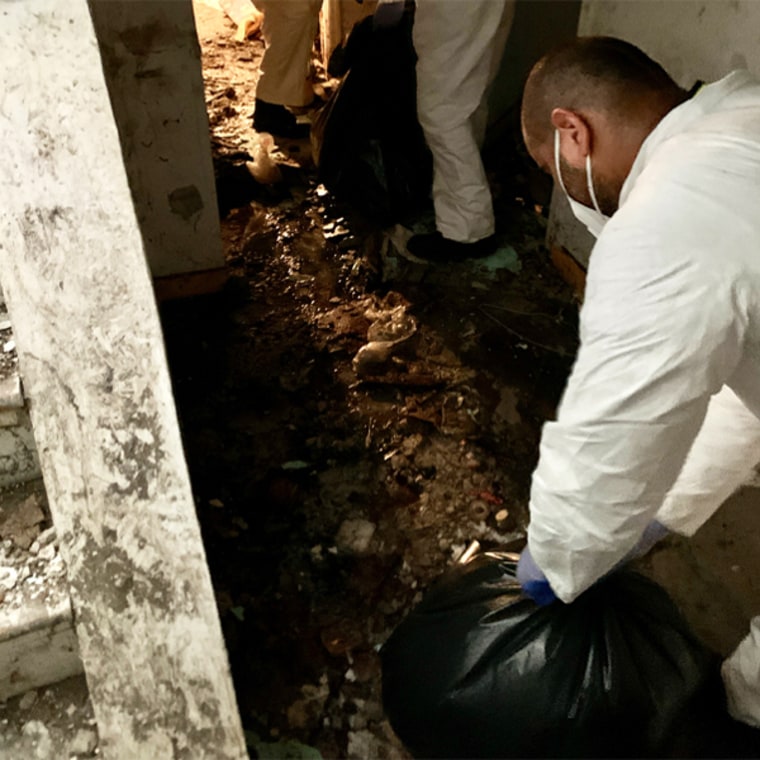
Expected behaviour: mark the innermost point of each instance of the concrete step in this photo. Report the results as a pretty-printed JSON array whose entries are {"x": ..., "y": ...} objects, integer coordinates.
[
  {"x": 38, "y": 644},
  {"x": 18, "y": 453}
]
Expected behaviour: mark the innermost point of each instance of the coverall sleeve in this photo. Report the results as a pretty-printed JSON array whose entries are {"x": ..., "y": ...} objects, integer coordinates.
[
  {"x": 723, "y": 457},
  {"x": 659, "y": 337}
]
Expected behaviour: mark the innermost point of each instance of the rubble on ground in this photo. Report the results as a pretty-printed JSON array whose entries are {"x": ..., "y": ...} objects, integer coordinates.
[{"x": 353, "y": 422}]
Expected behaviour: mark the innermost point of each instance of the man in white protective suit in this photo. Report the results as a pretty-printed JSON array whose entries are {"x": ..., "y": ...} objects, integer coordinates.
[
  {"x": 459, "y": 46},
  {"x": 659, "y": 421}
]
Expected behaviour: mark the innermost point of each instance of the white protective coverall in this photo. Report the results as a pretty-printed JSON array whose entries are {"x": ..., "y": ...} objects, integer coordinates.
[
  {"x": 459, "y": 45},
  {"x": 289, "y": 29},
  {"x": 659, "y": 418}
]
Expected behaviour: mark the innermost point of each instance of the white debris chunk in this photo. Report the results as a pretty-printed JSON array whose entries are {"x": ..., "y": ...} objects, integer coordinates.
[
  {"x": 354, "y": 536},
  {"x": 27, "y": 700},
  {"x": 40, "y": 736},
  {"x": 84, "y": 742},
  {"x": 8, "y": 578}
]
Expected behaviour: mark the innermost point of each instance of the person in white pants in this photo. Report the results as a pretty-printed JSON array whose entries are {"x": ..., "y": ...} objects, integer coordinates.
[
  {"x": 289, "y": 29},
  {"x": 459, "y": 46},
  {"x": 660, "y": 419}
]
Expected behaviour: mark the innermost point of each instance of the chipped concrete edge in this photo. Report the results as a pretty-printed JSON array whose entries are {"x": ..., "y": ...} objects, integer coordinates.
[
  {"x": 11, "y": 392},
  {"x": 38, "y": 647},
  {"x": 34, "y": 617}
]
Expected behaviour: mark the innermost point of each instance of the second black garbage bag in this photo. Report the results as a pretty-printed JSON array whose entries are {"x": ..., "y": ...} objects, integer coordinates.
[
  {"x": 477, "y": 670},
  {"x": 368, "y": 145}
]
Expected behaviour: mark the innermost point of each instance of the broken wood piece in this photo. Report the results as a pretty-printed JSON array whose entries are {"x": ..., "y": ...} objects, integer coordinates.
[{"x": 469, "y": 553}]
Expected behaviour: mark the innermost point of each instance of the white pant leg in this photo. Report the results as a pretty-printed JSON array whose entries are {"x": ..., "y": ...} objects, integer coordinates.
[
  {"x": 289, "y": 29},
  {"x": 459, "y": 45},
  {"x": 741, "y": 677}
]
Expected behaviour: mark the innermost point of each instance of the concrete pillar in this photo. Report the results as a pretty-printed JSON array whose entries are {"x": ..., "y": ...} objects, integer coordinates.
[
  {"x": 152, "y": 66},
  {"x": 92, "y": 358}
]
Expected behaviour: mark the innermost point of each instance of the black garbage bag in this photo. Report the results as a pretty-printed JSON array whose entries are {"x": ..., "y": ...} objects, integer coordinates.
[
  {"x": 368, "y": 145},
  {"x": 478, "y": 670}
]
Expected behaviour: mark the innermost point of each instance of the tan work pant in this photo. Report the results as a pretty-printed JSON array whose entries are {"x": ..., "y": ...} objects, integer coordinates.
[{"x": 290, "y": 27}]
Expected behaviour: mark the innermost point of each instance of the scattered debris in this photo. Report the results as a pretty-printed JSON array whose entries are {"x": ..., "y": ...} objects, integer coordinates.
[
  {"x": 31, "y": 570},
  {"x": 342, "y": 637},
  {"x": 8, "y": 356},
  {"x": 39, "y": 738},
  {"x": 390, "y": 330},
  {"x": 52, "y": 723},
  {"x": 355, "y": 536},
  {"x": 21, "y": 522},
  {"x": 263, "y": 168},
  {"x": 8, "y": 578},
  {"x": 84, "y": 743},
  {"x": 27, "y": 700},
  {"x": 469, "y": 553}
]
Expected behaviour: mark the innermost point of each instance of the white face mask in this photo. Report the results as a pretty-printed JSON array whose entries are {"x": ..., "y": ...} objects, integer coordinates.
[{"x": 592, "y": 218}]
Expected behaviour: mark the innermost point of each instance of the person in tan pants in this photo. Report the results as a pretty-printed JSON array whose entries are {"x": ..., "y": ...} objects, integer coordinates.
[{"x": 289, "y": 29}]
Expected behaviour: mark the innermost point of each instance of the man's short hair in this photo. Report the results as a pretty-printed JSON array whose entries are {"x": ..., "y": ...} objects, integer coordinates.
[{"x": 596, "y": 73}]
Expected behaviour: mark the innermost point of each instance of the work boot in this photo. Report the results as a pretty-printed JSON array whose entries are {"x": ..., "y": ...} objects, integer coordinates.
[
  {"x": 278, "y": 121},
  {"x": 436, "y": 248}
]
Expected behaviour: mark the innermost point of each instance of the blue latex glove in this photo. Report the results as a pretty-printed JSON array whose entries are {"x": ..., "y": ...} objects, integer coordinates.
[
  {"x": 388, "y": 13},
  {"x": 653, "y": 533},
  {"x": 533, "y": 581},
  {"x": 535, "y": 585}
]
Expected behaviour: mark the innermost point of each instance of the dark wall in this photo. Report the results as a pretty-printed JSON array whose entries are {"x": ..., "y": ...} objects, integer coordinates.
[{"x": 538, "y": 26}]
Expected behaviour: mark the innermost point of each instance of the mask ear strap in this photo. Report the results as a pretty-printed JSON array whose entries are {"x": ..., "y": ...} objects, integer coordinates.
[
  {"x": 556, "y": 162},
  {"x": 590, "y": 184}
]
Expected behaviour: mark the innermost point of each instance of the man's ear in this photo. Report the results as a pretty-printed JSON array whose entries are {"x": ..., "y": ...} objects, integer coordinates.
[{"x": 574, "y": 134}]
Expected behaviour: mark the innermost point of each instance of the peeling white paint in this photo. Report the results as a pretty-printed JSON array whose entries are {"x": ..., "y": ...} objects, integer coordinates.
[
  {"x": 91, "y": 354},
  {"x": 152, "y": 66}
]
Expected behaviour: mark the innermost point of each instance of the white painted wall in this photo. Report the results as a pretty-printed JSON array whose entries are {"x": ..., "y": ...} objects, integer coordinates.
[
  {"x": 692, "y": 39},
  {"x": 536, "y": 28},
  {"x": 151, "y": 60}
]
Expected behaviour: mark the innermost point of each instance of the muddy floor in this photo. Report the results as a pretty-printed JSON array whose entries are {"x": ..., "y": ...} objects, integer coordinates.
[
  {"x": 354, "y": 420},
  {"x": 335, "y": 480}
]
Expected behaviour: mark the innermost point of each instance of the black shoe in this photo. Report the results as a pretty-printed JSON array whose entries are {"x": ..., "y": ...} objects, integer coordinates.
[
  {"x": 435, "y": 247},
  {"x": 278, "y": 121}
]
